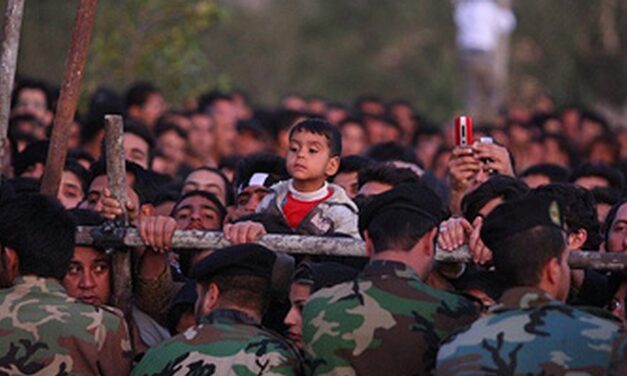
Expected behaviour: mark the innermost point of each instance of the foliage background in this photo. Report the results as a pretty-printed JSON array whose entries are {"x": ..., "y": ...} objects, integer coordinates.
[{"x": 575, "y": 50}]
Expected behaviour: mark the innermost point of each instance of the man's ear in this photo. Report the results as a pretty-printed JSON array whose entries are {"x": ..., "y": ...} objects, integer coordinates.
[
  {"x": 428, "y": 242},
  {"x": 333, "y": 165},
  {"x": 577, "y": 239},
  {"x": 552, "y": 271}
]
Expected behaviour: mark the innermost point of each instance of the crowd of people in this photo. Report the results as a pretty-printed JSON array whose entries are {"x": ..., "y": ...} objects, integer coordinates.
[{"x": 536, "y": 184}]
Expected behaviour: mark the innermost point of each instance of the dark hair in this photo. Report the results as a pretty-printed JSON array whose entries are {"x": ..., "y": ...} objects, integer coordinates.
[
  {"x": 611, "y": 217},
  {"x": 563, "y": 145},
  {"x": 206, "y": 101},
  {"x": 594, "y": 117},
  {"x": 399, "y": 229},
  {"x": 352, "y": 120},
  {"x": 72, "y": 165},
  {"x": 613, "y": 176},
  {"x": 521, "y": 257},
  {"x": 166, "y": 126},
  {"x": 31, "y": 155},
  {"x": 354, "y": 163},
  {"x": 246, "y": 291},
  {"x": 267, "y": 163},
  {"x": 143, "y": 184},
  {"x": 208, "y": 195},
  {"x": 138, "y": 94},
  {"x": 578, "y": 209},
  {"x": 41, "y": 232},
  {"x": 139, "y": 129},
  {"x": 322, "y": 128},
  {"x": 227, "y": 184},
  {"x": 496, "y": 186},
  {"x": 555, "y": 173},
  {"x": 391, "y": 151},
  {"x": 388, "y": 174},
  {"x": 32, "y": 84}
]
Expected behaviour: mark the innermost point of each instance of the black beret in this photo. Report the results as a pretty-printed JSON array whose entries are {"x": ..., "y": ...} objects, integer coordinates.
[
  {"x": 520, "y": 215},
  {"x": 243, "y": 259},
  {"x": 413, "y": 197}
]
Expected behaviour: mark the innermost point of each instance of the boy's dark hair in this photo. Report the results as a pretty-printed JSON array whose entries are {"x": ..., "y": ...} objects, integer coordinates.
[
  {"x": 522, "y": 256},
  {"x": 26, "y": 83},
  {"x": 578, "y": 208},
  {"x": 388, "y": 174},
  {"x": 143, "y": 184},
  {"x": 391, "y": 151},
  {"x": 501, "y": 186},
  {"x": 138, "y": 94},
  {"x": 41, "y": 232},
  {"x": 555, "y": 173},
  {"x": 613, "y": 176},
  {"x": 611, "y": 216},
  {"x": 322, "y": 128},
  {"x": 354, "y": 163}
]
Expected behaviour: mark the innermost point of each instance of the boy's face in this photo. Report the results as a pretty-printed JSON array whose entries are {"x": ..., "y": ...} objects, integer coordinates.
[{"x": 309, "y": 159}]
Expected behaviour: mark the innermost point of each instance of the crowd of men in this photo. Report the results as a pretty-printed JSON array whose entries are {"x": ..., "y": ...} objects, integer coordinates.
[{"x": 537, "y": 184}]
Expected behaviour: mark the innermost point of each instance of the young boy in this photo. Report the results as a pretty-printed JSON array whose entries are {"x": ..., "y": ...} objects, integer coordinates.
[{"x": 306, "y": 202}]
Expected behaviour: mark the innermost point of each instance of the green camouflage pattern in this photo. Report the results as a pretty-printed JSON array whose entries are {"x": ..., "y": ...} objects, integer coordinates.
[
  {"x": 385, "y": 322},
  {"x": 227, "y": 342},
  {"x": 530, "y": 333},
  {"x": 45, "y": 332}
]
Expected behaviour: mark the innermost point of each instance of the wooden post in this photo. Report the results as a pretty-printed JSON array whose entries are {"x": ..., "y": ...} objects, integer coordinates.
[
  {"x": 116, "y": 174},
  {"x": 68, "y": 99},
  {"x": 10, "y": 45}
]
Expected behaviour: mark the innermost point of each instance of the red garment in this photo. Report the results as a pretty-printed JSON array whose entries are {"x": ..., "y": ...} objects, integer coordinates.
[{"x": 296, "y": 210}]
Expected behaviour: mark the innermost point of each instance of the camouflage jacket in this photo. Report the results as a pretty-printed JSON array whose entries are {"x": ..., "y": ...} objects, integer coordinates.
[
  {"x": 618, "y": 365},
  {"x": 385, "y": 322},
  {"x": 337, "y": 214},
  {"x": 227, "y": 342},
  {"x": 530, "y": 333},
  {"x": 45, "y": 332}
]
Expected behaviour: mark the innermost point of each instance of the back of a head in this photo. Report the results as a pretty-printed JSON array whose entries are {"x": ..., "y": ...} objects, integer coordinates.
[
  {"x": 398, "y": 218},
  {"x": 523, "y": 235},
  {"x": 40, "y": 231},
  {"x": 578, "y": 210},
  {"x": 264, "y": 163},
  {"x": 323, "y": 128},
  {"x": 497, "y": 186},
  {"x": 387, "y": 174}
]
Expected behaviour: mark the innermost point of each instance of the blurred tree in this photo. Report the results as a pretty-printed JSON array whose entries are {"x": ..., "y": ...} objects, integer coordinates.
[{"x": 156, "y": 40}]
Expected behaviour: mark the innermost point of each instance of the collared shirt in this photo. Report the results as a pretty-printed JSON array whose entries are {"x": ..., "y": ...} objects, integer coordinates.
[
  {"x": 529, "y": 332},
  {"x": 225, "y": 342},
  {"x": 44, "y": 331},
  {"x": 387, "y": 321}
]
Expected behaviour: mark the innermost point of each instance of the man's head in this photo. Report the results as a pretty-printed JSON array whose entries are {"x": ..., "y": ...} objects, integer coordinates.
[
  {"x": 403, "y": 220},
  {"x": 198, "y": 210},
  {"x": 145, "y": 103},
  {"x": 347, "y": 175},
  {"x": 591, "y": 176},
  {"x": 138, "y": 143},
  {"x": 73, "y": 184},
  {"x": 32, "y": 98},
  {"x": 89, "y": 275},
  {"x": 211, "y": 180},
  {"x": 254, "y": 176},
  {"x": 172, "y": 142},
  {"x": 224, "y": 114},
  {"x": 36, "y": 238},
  {"x": 354, "y": 138},
  {"x": 490, "y": 194},
  {"x": 200, "y": 136},
  {"x": 236, "y": 277},
  {"x": 382, "y": 177},
  {"x": 543, "y": 174},
  {"x": 528, "y": 243},
  {"x": 314, "y": 152}
]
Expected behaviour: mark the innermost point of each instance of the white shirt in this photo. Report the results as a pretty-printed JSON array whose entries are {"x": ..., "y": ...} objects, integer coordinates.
[{"x": 480, "y": 24}]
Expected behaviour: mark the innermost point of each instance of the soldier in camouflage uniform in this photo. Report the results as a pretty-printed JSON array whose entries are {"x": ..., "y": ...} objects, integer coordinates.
[
  {"x": 42, "y": 330},
  {"x": 387, "y": 320},
  {"x": 233, "y": 290},
  {"x": 531, "y": 331}
]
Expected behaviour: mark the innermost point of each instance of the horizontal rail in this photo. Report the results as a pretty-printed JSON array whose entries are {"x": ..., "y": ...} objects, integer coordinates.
[{"x": 321, "y": 245}]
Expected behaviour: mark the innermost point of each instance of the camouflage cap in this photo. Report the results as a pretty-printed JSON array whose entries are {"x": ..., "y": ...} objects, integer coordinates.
[
  {"x": 243, "y": 259},
  {"x": 520, "y": 215},
  {"x": 415, "y": 198}
]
